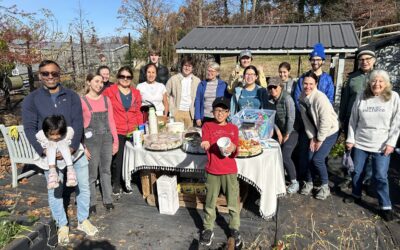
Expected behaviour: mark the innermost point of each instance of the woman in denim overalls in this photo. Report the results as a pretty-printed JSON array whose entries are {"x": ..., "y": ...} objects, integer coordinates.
[{"x": 101, "y": 140}]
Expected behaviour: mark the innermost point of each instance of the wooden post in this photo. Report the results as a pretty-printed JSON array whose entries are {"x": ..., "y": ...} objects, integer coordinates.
[
  {"x": 299, "y": 67},
  {"x": 340, "y": 81}
]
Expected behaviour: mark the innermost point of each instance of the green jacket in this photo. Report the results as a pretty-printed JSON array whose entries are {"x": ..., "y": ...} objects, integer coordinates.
[{"x": 355, "y": 85}]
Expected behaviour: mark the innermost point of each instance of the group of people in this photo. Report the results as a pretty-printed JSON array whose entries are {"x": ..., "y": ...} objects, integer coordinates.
[{"x": 86, "y": 135}]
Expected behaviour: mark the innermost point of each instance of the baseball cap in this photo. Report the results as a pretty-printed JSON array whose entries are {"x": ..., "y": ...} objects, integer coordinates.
[
  {"x": 366, "y": 52},
  {"x": 221, "y": 101},
  {"x": 245, "y": 53},
  {"x": 318, "y": 50},
  {"x": 274, "y": 81}
]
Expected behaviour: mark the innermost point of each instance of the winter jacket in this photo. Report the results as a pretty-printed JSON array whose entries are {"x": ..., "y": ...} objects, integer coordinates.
[
  {"x": 199, "y": 101},
  {"x": 38, "y": 105},
  {"x": 125, "y": 121},
  {"x": 325, "y": 85}
]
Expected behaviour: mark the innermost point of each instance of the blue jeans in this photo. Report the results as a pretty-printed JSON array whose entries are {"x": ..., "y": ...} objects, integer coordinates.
[
  {"x": 316, "y": 160},
  {"x": 55, "y": 196},
  {"x": 380, "y": 167}
]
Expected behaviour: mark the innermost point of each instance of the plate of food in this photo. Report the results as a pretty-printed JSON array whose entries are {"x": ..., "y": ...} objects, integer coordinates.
[
  {"x": 191, "y": 143},
  {"x": 249, "y": 148},
  {"x": 162, "y": 142}
]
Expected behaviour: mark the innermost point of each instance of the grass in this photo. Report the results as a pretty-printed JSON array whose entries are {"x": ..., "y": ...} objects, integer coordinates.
[{"x": 9, "y": 230}]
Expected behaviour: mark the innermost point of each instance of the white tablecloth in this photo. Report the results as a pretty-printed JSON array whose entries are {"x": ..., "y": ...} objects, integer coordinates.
[{"x": 264, "y": 172}]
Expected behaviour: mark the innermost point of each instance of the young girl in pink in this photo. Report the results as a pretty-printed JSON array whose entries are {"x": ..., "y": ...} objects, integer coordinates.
[{"x": 100, "y": 139}]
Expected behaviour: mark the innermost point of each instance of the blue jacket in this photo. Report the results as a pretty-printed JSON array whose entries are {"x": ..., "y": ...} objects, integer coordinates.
[
  {"x": 199, "y": 101},
  {"x": 38, "y": 105},
  {"x": 325, "y": 85}
]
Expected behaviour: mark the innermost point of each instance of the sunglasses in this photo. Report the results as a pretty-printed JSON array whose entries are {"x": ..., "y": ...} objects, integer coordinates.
[
  {"x": 271, "y": 87},
  {"x": 46, "y": 74},
  {"x": 124, "y": 77}
]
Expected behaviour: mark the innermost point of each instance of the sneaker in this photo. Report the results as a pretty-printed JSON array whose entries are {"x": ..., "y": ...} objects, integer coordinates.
[
  {"x": 323, "y": 192},
  {"x": 351, "y": 199},
  {"x": 236, "y": 235},
  {"x": 307, "y": 188},
  {"x": 293, "y": 187},
  {"x": 63, "y": 235},
  {"x": 109, "y": 206},
  {"x": 92, "y": 210},
  {"x": 206, "y": 237},
  {"x": 387, "y": 215},
  {"x": 116, "y": 190},
  {"x": 87, "y": 227}
]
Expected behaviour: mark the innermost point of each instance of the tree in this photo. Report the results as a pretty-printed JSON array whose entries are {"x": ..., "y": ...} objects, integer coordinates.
[{"x": 140, "y": 15}]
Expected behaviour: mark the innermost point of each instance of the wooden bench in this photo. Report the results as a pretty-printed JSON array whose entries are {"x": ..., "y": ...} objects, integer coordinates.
[{"x": 20, "y": 151}]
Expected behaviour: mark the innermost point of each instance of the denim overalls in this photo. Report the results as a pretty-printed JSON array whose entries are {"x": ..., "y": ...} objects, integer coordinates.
[{"x": 98, "y": 140}]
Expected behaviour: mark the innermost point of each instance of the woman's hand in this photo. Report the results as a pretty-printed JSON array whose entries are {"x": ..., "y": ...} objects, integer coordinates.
[
  {"x": 388, "y": 150},
  {"x": 87, "y": 153},
  {"x": 205, "y": 145},
  {"x": 315, "y": 145},
  {"x": 285, "y": 138},
  {"x": 198, "y": 122},
  {"x": 114, "y": 150},
  {"x": 349, "y": 146}
]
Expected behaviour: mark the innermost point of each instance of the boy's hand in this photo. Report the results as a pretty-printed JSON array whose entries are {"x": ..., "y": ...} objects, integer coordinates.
[
  {"x": 198, "y": 122},
  {"x": 205, "y": 145},
  {"x": 88, "y": 154},
  {"x": 231, "y": 148}
]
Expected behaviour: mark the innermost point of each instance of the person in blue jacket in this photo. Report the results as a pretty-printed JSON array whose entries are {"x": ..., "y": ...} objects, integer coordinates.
[
  {"x": 54, "y": 99},
  {"x": 325, "y": 85},
  {"x": 207, "y": 91},
  {"x": 325, "y": 82}
]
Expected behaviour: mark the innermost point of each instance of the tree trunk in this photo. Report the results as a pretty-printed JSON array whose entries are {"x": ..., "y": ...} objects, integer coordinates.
[
  {"x": 200, "y": 14},
  {"x": 72, "y": 59},
  {"x": 242, "y": 10},
  {"x": 30, "y": 71},
  {"x": 253, "y": 11},
  {"x": 300, "y": 10},
  {"x": 226, "y": 12},
  {"x": 82, "y": 50}
]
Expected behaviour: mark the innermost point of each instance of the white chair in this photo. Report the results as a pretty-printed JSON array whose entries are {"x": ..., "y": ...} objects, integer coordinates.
[{"x": 20, "y": 151}]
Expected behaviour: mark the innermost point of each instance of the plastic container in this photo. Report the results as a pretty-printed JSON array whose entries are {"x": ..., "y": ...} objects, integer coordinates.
[
  {"x": 137, "y": 139},
  {"x": 168, "y": 200},
  {"x": 263, "y": 120},
  {"x": 153, "y": 123}
]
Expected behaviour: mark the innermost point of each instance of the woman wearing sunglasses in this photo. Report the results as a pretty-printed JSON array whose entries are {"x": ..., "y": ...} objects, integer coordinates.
[
  {"x": 154, "y": 92},
  {"x": 126, "y": 102},
  {"x": 281, "y": 101}
]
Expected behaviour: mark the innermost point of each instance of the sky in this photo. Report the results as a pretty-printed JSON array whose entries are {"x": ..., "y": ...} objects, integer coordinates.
[{"x": 103, "y": 13}]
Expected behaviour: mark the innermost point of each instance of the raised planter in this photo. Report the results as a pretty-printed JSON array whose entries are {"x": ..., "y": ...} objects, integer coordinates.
[{"x": 43, "y": 235}]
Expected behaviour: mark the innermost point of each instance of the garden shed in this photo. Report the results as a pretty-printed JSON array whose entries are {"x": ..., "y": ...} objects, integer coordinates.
[{"x": 339, "y": 39}]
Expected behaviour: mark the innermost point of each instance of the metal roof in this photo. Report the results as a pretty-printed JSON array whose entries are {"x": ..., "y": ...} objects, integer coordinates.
[{"x": 294, "y": 38}]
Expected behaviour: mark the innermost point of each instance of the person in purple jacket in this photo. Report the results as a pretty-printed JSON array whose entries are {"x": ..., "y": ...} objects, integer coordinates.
[{"x": 53, "y": 99}]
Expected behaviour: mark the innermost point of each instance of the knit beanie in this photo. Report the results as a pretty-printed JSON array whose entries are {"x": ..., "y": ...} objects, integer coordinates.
[{"x": 318, "y": 50}]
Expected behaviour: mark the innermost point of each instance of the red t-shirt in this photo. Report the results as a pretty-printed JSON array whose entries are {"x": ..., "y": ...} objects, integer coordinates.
[{"x": 218, "y": 164}]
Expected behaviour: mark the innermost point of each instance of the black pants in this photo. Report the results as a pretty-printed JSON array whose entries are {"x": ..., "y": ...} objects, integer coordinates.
[
  {"x": 287, "y": 150},
  {"x": 117, "y": 163}
]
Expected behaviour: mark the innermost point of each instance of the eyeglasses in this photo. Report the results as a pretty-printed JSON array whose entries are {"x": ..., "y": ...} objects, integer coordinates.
[
  {"x": 124, "y": 77},
  {"x": 47, "y": 74},
  {"x": 223, "y": 111},
  {"x": 365, "y": 59},
  {"x": 272, "y": 87}
]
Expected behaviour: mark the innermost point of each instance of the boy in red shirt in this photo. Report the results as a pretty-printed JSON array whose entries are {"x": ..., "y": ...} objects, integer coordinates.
[{"x": 221, "y": 171}]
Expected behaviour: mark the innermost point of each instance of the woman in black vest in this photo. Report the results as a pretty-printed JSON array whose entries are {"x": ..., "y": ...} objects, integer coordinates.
[{"x": 283, "y": 103}]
